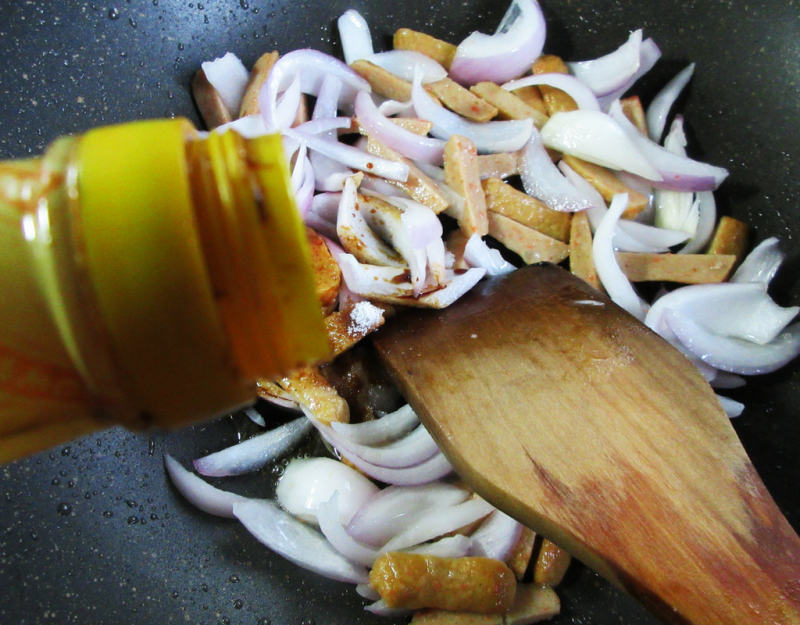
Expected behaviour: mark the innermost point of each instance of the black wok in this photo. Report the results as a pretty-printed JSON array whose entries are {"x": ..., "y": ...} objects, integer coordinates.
[{"x": 91, "y": 532}]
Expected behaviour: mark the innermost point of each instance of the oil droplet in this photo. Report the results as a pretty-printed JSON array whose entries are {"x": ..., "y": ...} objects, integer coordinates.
[
  {"x": 238, "y": 604},
  {"x": 113, "y": 13},
  {"x": 66, "y": 451},
  {"x": 34, "y": 535},
  {"x": 55, "y": 481},
  {"x": 264, "y": 621},
  {"x": 174, "y": 594},
  {"x": 244, "y": 4},
  {"x": 108, "y": 514},
  {"x": 64, "y": 509},
  {"x": 131, "y": 503},
  {"x": 233, "y": 578},
  {"x": 132, "y": 520}
]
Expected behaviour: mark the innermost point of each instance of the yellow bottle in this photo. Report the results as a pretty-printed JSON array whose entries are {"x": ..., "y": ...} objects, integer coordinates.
[{"x": 148, "y": 276}]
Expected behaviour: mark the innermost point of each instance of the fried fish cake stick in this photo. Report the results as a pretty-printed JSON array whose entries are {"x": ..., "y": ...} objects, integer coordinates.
[{"x": 412, "y": 581}]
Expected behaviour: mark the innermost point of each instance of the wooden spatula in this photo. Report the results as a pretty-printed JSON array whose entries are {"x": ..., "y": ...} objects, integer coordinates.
[{"x": 567, "y": 413}]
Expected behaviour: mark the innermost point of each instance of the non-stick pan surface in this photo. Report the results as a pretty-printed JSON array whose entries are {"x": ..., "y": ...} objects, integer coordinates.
[{"x": 91, "y": 532}]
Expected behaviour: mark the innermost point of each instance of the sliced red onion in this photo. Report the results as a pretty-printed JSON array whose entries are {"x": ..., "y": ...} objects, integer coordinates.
[
  {"x": 374, "y": 281},
  {"x": 596, "y": 137},
  {"x": 659, "y": 108},
  {"x": 386, "y": 428},
  {"x": 608, "y": 73},
  {"x": 324, "y": 125},
  {"x": 407, "y": 143},
  {"x": 357, "y": 237},
  {"x": 308, "y": 482},
  {"x": 741, "y": 310},
  {"x": 706, "y": 222},
  {"x": 629, "y": 236},
  {"x": 596, "y": 205},
  {"x": 393, "y": 107},
  {"x": 367, "y": 592},
  {"x": 731, "y": 407},
  {"x": 380, "y": 608},
  {"x": 255, "y": 416},
  {"x": 676, "y": 209},
  {"x": 644, "y": 238},
  {"x": 305, "y": 193},
  {"x": 354, "y": 35},
  {"x": 437, "y": 522},
  {"x": 723, "y": 379},
  {"x": 614, "y": 280},
  {"x": 327, "y": 102},
  {"x": 570, "y": 85},
  {"x": 437, "y": 262},
  {"x": 648, "y": 56},
  {"x": 228, "y": 75},
  {"x": 312, "y": 66},
  {"x": 296, "y": 541},
  {"x": 676, "y": 172},
  {"x": 379, "y": 185},
  {"x": 541, "y": 179},
  {"x": 352, "y": 156},
  {"x": 761, "y": 264},
  {"x": 408, "y": 451},
  {"x": 329, "y": 175},
  {"x": 478, "y": 254},
  {"x": 287, "y": 105},
  {"x": 409, "y": 230},
  {"x": 496, "y": 536},
  {"x": 395, "y": 508},
  {"x": 333, "y": 530},
  {"x": 732, "y": 354},
  {"x": 456, "y": 284},
  {"x": 502, "y": 136},
  {"x": 254, "y": 453},
  {"x": 320, "y": 225},
  {"x": 456, "y": 546},
  {"x": 516, "y": 44},
  {"x": 200, "y": 493},
  {"x": 249, "y": 126},
  {"x": 435, "y": 467},
  {"x": 403, "y": 64},
  {"x": 298, "y": 171}
]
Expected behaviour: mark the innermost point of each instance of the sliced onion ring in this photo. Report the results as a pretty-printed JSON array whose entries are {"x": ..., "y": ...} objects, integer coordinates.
[
  {"x": 254, "y": 453},
  {"x": 608, "y": 73},
  {"x": 731, "y": 354},
  {"x": 354, "y": 35},
  {"x": 200, "y": 493},
  {"x": 508, "y": 53},
  {"x": 296, "y": 541}
]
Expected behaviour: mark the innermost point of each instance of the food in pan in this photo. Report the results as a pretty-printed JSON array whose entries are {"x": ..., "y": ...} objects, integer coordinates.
[{"x": 419, "y": 171}]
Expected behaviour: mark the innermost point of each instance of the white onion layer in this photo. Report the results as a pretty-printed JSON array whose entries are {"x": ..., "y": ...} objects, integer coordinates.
[
  {"x": 254, "y": 453},
  {"x": 508, "y": 53},
  {"x": 296, "y": 541},
  {"x": 608, "y": 73},
  {"x": 200, "y": 493},
  {"x": 354, "y": 35}
]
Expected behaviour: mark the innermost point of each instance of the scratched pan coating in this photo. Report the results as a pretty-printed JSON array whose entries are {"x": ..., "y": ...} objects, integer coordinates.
[{"x": 91, "y": 532}]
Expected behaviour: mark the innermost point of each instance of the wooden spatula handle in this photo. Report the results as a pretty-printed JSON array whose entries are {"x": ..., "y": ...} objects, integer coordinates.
[{"x": 567, "y": 413}]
